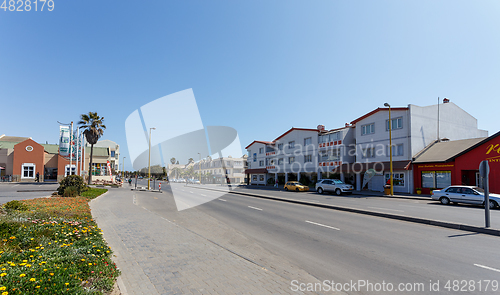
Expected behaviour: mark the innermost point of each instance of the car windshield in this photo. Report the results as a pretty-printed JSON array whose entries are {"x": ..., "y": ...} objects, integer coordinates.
[
  {"x": 478, "y": 189},
  {"x": 338, "y": 181}
]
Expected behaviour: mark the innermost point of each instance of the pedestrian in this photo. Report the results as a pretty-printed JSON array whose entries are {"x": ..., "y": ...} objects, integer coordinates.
[{"x": 37, "y": 179}]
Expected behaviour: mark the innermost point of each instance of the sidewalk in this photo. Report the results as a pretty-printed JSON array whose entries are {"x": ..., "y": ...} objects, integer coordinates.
[
  {"x": 362, "y": 193},
  {"x": 156, "y": 256}
]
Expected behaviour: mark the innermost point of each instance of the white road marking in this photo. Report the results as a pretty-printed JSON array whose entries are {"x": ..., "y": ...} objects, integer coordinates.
[
  {"x": 255, "y": 208},
  {"x": 222, "y": 200},
  {"x": 203, "y": 195},
  {"x": 487, "y": 267},
  {"x": 315, "y": 223},
  {"x": 190, "y": 191},
  {"x": 386, "y": 209}
]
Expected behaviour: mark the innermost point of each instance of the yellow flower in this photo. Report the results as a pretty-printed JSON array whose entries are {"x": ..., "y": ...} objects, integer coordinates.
[
  {"x": 5, "y": 293},
  {"x": 32, "y": 279},
  {"x": 90, "y": 263},
  {"x": 22, "y": 275},
  {"x": 66, "y": 284},
  {"x": 3, "y": 274},
  {"x": 51, "y": 273},
  {"x": 37, "y": 287},
  {"x": 3, "y": 288},
  {"x": 83, "y": 259}
]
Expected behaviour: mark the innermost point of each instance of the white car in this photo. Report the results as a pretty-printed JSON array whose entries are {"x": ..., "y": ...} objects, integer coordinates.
[
  {"x": 464, "y": 194},
  {"x": 333, "y": 185}
]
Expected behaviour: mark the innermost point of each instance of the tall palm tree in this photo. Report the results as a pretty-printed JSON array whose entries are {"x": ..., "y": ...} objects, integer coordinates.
[
  {"x": 172, "y": 161},
  {"x": 94, "y": 128}
]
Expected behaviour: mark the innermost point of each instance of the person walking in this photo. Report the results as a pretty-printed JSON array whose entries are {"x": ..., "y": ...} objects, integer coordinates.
[{"x": 37, "y": 179}]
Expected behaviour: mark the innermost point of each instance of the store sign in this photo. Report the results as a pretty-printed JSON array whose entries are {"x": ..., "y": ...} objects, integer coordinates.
[
  {"x": 436, "y": 166},
  {"x": 494, "y": 150}
]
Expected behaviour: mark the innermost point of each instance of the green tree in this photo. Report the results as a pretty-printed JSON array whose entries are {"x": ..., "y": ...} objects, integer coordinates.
[
  {"x": 93, "y": 127},
  {"x": 190, "y": 160}
]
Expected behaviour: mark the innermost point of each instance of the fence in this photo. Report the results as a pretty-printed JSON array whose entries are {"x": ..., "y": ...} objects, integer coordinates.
[{"x": 7, "y": 178}]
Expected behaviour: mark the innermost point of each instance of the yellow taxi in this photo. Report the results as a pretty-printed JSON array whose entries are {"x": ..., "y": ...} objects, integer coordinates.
[{"x": 296, "y": 186}]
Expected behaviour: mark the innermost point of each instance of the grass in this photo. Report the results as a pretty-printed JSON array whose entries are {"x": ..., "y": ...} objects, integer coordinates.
[
  {"x": 93, "y": 192},
  {"x": 54, "y": 247}
]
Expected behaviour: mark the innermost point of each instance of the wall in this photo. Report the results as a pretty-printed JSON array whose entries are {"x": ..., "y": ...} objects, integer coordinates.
[
  {"x": 7, "y": 159},
  {"x": 22, "y": 156},
  {"x": 454, "y": 124}
]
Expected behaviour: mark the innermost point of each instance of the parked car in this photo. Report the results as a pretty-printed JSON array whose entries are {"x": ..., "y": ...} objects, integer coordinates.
[
  {"x": 296, "y": 186},
  {"x": 464, "y": 194},
  {"x": 333, "y": 185}
]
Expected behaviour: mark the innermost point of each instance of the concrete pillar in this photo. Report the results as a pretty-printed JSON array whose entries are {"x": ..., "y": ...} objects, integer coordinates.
[
  {"x": 298, "y": 176},
  {"x": 276, "y": 178},
  {"x": 286, "y": 177},
  {"x": 319, "y": 175},
  {"x": 358, "y": 181},
  {"x": 342, "y": 177}
]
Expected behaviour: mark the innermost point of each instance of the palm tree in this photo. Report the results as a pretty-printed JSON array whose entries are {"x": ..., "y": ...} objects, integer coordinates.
[
  {"x": 94, "y": 128},
  {"x": 172, "y": 161}
]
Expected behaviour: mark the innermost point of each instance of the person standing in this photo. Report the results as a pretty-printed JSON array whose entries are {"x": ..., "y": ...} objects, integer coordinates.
[{"x": 37, "y": 179}]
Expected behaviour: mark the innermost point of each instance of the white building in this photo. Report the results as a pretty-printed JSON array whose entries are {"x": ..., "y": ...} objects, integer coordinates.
[{"x": 413, "y": 128}]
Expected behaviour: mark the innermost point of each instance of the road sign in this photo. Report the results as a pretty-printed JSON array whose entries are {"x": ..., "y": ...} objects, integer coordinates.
[{"x": 484, "y": 169}]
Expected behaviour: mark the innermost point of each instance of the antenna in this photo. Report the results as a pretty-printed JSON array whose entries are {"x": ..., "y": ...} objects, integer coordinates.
[{"x": 438, "y": 122}]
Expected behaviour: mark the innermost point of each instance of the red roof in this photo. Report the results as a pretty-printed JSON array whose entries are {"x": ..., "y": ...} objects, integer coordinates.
[
  {"x": 292, "y": 129},
  {"x": 376, "y": 111},
  {"x": 259, "y": 141}
]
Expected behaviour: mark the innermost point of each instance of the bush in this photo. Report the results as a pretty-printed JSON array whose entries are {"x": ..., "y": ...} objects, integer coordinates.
[
  {"x": 74, "y": 181},
  {"x": 70, "y": 192},
  {"x": 304, "y": 180},
  {"x": 15, "y": 205}
]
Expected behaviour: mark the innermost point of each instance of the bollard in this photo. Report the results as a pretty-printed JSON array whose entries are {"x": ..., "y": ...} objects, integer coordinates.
[{"x": 159, "y": 186}]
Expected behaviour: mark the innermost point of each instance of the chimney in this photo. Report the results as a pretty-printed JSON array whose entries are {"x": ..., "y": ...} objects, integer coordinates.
[
  {"x": 445, "y": 100},
  {"x": 346, "y": 124},
  {"x": 321, "y": 127}
]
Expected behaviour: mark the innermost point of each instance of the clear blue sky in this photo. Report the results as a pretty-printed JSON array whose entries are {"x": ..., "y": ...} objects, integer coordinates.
[{"x": 259, "y": 66}]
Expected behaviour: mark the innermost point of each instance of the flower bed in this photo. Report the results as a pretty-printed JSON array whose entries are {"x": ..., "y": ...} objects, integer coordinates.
[{"x": 54, "y": 248}]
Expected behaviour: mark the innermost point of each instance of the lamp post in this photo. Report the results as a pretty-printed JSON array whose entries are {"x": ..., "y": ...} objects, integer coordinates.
[
  {"x": 390, "y": 147},
  {"x": 199, "y": 167},
  {"x": 123, "y": 166},
  {"x": 149, "y": 159}
]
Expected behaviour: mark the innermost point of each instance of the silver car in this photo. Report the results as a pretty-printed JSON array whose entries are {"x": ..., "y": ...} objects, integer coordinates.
[
  {"x": 464, "y": 194},
  {"x": 333, "y": 185}
]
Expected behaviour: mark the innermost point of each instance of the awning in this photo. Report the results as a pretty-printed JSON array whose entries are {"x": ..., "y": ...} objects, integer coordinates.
[
  {"x": 256, "y": 171},
  {"x": 377, "y": 166}
]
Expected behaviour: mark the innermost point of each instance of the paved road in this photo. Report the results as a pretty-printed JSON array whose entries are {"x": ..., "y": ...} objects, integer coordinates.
[
  {"x": 429, "y": 209},
  {"x": 21, "y": 191},
  {"x": 333, "y": 245},
  {"x": 159, "y": 256}
]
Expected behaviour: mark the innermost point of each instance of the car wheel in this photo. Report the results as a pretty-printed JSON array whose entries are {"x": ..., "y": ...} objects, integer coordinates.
[
  {"x": 444, "y": 200},
  {"x": 320, "y": 191},
  {"x": 286, "y": 188},
  {"x": 296, "y": 189},
  {"x": 493, "y": 204},
  {"x": 338, "y": 192}
]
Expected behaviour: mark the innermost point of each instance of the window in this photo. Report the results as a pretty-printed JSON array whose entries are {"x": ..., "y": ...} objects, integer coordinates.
[
  {"x": 330, "y": 155},
  {"x": 280, "y": 161},
  {"x": 261, "y": 150},
  {"x": 308, "y": 158},
  {"x": 436, "y": 179},
  {"x": 397, "y": 123},
  {"x": 397, "y": 178},
  {"x": 228, "y": 171},
  {"x": 269, "y": 162},
  {"x": 291, "y": 144},
  {"x": 291, "y": 160},
  {"x": 112, "y": 154},
  {"x": 397, "y": 150},
  {"x": 307, "y": 141},
  {"x": 280, "y": 146},
  {"x": 28, "y": 171},
  {"x": 261, "y": 177},
  {"x": 255, "y": 157},
  {"x": 254, "y": 177},
  {"x": 261, "y": 163},
  {"x": 368, "y": 129},
  {"x": 368, "y": 153}
]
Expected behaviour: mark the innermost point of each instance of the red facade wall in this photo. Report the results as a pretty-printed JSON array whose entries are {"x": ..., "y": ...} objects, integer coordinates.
[
  {"x": 417, "y": 173},
  {"x": 21, "y": 156},
  {"x": 489, "y": 151}
]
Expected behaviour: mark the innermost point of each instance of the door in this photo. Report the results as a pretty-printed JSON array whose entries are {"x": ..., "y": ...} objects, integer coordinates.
[
  {"x": 472, "y": 197},
  {"x": 452, "y": 194}
]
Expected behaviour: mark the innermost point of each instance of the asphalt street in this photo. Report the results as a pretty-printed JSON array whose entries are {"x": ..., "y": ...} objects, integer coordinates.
[
  {"x": 340, "y": 246},
  {"x": 429, "y": 209},
  {"x": 22, "y": 191}
]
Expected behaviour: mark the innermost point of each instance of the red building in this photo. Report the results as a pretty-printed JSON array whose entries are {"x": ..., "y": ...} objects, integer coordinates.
[{"x": 457, "y": 162}]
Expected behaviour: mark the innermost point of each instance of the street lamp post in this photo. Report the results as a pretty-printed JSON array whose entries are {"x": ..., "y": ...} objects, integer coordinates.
[
  {"x": 390, "y": 147},
  {"x": 123, "y": 166},
  {"x": 199, "y": 167},
  {"x": 149, "y": 159}
]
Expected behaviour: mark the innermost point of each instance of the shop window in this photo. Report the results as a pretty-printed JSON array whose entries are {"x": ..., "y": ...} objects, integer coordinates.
[
  {"x": 397, "y": 178},
  {"x": 28, "y": 171},
  {"x": 436, "y": 179},
  {"x": 254, "y": 177},
  {"x": 261, "y": 178}
]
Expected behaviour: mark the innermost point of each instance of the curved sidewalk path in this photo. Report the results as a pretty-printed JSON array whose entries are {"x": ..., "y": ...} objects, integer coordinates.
[{"x": 158, "y": 257}]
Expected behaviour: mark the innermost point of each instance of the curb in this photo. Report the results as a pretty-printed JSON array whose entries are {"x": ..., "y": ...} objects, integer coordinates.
[{"x": 438, "y": 223}]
